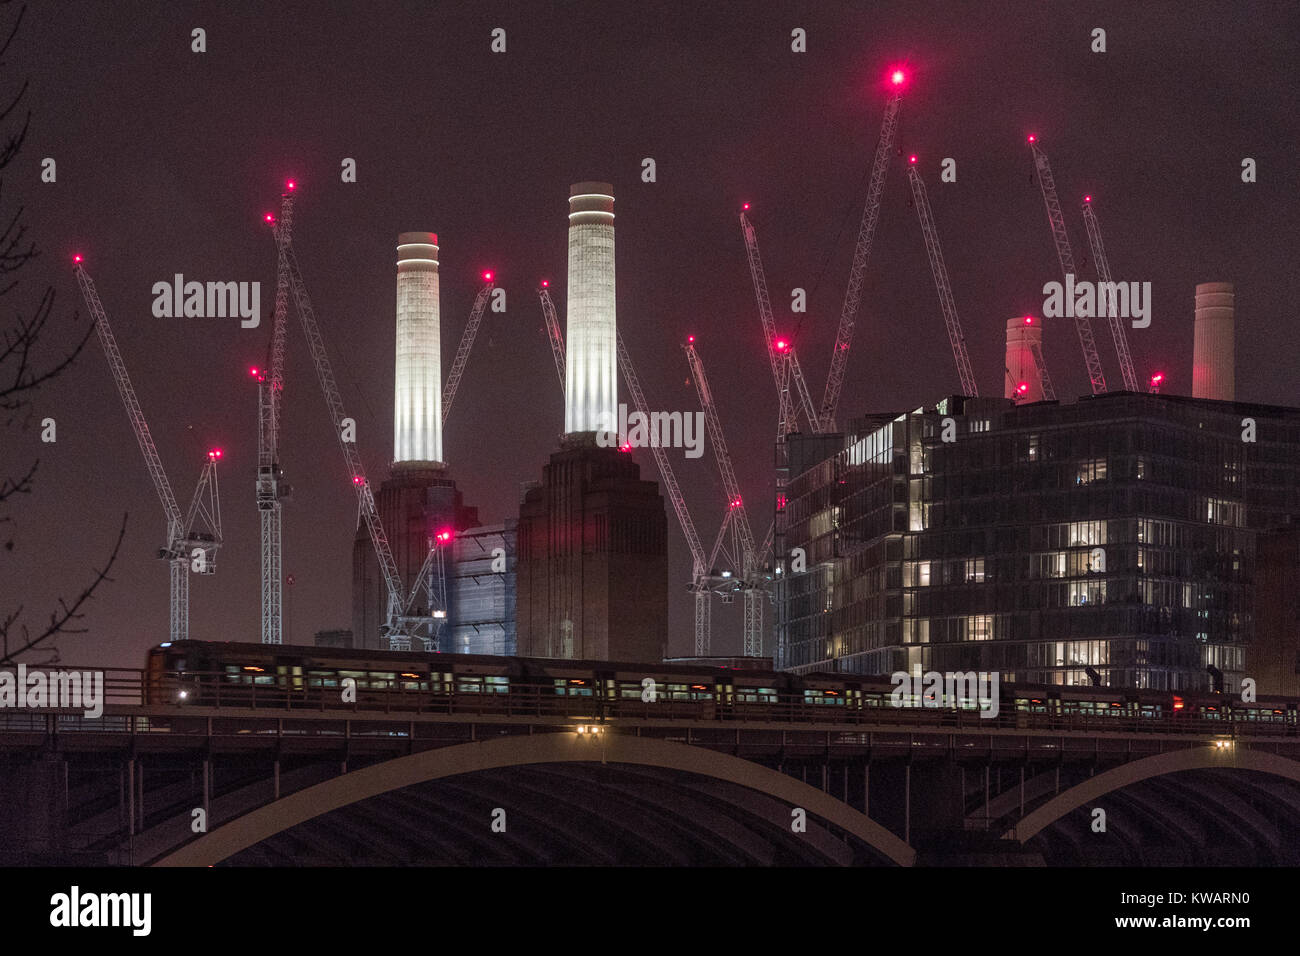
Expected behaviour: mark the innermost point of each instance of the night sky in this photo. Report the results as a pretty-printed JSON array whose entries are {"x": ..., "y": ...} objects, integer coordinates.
[{"x": 167, "y": 160}]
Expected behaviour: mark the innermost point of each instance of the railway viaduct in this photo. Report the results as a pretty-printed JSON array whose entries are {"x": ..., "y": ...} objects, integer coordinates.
[{"x": 165, "y": 786}]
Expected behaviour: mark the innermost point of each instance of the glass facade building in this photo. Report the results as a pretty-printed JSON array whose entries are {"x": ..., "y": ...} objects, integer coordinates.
[
  {"x": 1112, "y": 538},
  {"x": 482, "y": 619}
]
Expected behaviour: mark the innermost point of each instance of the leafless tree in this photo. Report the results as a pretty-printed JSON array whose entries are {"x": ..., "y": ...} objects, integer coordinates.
[{"x": 23, "y": 370}]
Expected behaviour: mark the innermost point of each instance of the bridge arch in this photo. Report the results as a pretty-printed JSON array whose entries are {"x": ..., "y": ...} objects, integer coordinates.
[
  {"x": 1192, "y": 758},
  {"x": 562, "y": 747}
]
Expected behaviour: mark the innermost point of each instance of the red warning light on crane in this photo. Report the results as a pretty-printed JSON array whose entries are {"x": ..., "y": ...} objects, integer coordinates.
[
  {"x": 912, "y": 159},
  {"x": 215, "y": 454},
  {"x": 782, "y": 345},
  {"x": 897, "y": 77},
  {"x": 76, "y": 258},
  {"x": 487, "y": 277},
  {"x": 443, "y": 537},
  {"x": 269, "y": 218},
  {"x": 546, "y": 284},
  {"x": 625, "y": 448},
  {"x": 1033, "y": 138},
  {"x": 1022, "y": 388},
  {"x": 690, "y": 340},
  {"x": 1029, "y": 320},
  {"x": 745, "y": 207},
  {"x": 291, "y": 185}
]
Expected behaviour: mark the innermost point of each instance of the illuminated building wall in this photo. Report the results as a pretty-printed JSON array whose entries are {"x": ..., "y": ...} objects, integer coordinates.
[
  {"x": 591, "y": 390},
  {"x": 1116, "y": 533},
  {"x": 417, "y": 391}
]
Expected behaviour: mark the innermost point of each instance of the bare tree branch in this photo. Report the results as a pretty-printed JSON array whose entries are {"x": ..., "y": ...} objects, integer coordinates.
[{"x": 65, "y": 615}]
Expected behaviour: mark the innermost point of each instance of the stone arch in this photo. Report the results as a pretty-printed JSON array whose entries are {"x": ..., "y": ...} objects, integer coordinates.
[{"x": 561, "y": 747}]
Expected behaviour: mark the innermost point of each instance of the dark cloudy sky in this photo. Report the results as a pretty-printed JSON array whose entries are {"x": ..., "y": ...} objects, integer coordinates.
[{"x": 166, "y": 160}]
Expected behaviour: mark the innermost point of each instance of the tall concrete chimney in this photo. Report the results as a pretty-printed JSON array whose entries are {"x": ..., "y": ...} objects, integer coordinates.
[
  {"x": 1213, "y": 349},
  {"x": 417, "y": 387},
  {"x": 591, "y": 363},
  {"x": 1024, "y": 339}
]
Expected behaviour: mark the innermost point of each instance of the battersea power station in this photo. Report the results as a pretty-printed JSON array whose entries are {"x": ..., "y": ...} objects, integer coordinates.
[{"x": 582, "y": 572}]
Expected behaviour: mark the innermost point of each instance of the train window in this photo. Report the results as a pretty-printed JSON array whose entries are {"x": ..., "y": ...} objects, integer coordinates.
[
  {"x": 322, "y": 678},
  {"x": 289, "y": 675},
  {"x": 247, "y": 674},
  {"x": 756, "y": 695},
  {"x": 833, "y": 698},
  {"x": 496, "y": 685},
  {"x": 629, "y": 691},
  {"x": 573, "y": 687}
]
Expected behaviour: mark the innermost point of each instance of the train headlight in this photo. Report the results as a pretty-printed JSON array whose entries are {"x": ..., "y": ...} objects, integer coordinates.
[{"x": 183, "y": 694}]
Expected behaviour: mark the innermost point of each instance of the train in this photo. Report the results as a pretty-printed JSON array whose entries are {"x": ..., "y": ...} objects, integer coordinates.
[{"x": 208, "y": 673}]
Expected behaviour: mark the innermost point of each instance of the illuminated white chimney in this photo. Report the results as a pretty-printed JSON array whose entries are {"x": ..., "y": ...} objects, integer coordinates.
[
  {"x": 1024, "y": 344},
  {"x": 1213, "y": 347},
  {"x": 591, "y": 363},
  {"x": 417, "y": 387}
]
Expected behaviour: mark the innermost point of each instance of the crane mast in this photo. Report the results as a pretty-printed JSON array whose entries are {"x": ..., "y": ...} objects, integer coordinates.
[
  {"x": 941, "y": 283},
  {"x": 466, "y": 343},
  {"x": 269, "y": 490},
  {"x": 753, "y": 624},
  {"x": 1066, "y": 258},
  {"x": 184, "y": 544},
  {"x": 1103, "y": 273},
  {"x": 861, "y": 252}
]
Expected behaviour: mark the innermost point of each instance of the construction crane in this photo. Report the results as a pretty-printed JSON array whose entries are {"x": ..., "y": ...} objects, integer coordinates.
[
  {"x": 188, "y": 549},
  {"x": 1103, "y": 273},
  {"x": 861, "y": 252},
  {"x": 466, "y": 343},
  {"x": 553, "y": 331},
  {"x": 700, "y": 577},
  {"x": 941, "y": 283},
  {"x": 750, "y": 571},
  {"x": 400, "y": 626},
  {"x": 780, "y": 352},
  {"x": 1066, "y": 257},
  {"x": 269, "y": 489},
  {"x": 699, "y": 565}
]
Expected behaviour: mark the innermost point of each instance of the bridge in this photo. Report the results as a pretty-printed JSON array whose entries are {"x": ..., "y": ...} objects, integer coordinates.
[{"x": 507, "y": 780}]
